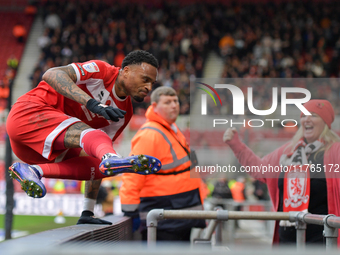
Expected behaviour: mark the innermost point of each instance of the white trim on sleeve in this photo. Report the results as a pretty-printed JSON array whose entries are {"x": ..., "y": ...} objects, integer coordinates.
[{"x": 76, "y": 70}]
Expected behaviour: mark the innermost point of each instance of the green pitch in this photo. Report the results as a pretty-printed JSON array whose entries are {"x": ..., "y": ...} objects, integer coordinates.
[{"x": 35, "y": 224}]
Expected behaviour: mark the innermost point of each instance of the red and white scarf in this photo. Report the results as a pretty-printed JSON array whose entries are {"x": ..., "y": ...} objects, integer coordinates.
[{"x": 296, "y": 183}]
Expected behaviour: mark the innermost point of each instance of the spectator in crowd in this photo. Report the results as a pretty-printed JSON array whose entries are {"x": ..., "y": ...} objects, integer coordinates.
[
  {"x": 64, "y": 128},
  {"x": 44, "y": 40},
  {"x": 260, "y": 190},
  {"x": 4, "y": 94},
  {"x": 12, "y": 62},
  {"x": 6, "y": 82},
  {"x": 314, "y": 144},
  {"x": 221, "y": 189},
  {"x": 172, "y": 188},
  {"x": 20, "y": 32},
  {"x": 238, "y": 193},
  {"x": 52, "y": 19},
  {"x": 238, "y": 190}
]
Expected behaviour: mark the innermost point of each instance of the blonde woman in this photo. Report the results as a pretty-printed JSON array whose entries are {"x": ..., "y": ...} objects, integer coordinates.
[{"x": 295, "y": 187}]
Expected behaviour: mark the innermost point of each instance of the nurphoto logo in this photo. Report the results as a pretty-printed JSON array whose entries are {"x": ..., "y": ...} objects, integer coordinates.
[
  {"x": 238, "y": 99},
  {"x": 238, "y": 102}
]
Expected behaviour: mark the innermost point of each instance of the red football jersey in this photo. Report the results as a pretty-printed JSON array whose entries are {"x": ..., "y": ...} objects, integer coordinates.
[{"x": 97, "y": 78}]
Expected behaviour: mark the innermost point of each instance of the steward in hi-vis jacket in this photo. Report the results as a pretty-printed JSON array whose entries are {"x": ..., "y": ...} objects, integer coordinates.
[{"x": 174, "y": 186}]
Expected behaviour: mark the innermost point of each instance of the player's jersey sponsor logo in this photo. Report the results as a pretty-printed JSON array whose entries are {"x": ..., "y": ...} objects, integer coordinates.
[
  {"x": 81, "y": 69},
  {"x": 91, "y": 67}
]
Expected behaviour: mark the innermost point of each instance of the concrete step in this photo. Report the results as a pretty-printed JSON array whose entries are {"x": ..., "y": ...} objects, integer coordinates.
[{"x": 213, "y": 67}]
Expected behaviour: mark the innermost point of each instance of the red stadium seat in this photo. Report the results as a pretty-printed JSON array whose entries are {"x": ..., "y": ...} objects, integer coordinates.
[{"x": 9, "y": 45}]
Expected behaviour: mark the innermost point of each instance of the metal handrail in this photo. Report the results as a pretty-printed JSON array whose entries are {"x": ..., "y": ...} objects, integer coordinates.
[
  {"x": 232, "y": 205},
  {"x": 331, "y": 222}
]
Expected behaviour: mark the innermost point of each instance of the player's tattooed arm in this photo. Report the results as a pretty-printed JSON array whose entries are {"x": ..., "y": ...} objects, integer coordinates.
[
  {"x": 63, "y": 79},
  {"x": 92, "y": 188}
]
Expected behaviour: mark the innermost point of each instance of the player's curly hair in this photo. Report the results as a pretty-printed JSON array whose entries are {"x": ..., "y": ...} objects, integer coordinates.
[{"x": 137, "y": 57}]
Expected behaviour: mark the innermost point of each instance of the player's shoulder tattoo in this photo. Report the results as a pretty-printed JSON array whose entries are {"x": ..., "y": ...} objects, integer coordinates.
[{"x": 69, "y": 70}]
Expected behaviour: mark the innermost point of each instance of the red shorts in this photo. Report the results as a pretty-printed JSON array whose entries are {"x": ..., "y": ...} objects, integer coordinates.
[{"x": 32, "y": 129}]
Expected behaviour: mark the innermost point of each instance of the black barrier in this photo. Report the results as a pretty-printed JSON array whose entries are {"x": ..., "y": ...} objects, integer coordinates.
[{"x": 86, "y": 234}]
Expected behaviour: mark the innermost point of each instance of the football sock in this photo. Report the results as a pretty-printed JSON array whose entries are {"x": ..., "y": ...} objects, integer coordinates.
[
  {"x": 89, "y": 204},
  {"x": 80, "y": 168},
  {"x": 96, "y": 143}
]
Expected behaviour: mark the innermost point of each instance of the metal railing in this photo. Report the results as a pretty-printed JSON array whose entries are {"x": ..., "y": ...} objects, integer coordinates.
[
  {"x": 232, "y": 205},
  {"x": 330, "y": 222}
]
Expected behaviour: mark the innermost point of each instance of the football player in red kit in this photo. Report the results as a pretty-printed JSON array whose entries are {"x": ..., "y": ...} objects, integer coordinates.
[{"x": 64, "y": 128}]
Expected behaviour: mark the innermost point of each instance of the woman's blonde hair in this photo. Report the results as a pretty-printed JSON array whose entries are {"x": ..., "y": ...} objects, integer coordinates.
[{"x": 328, "y": 136}]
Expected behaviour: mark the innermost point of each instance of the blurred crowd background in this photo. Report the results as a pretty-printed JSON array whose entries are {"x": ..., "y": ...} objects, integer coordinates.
[{"x": 278, "y": 40}]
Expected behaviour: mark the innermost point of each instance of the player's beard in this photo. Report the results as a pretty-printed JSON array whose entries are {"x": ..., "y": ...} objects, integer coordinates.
[{"x": 136, "y": 98}]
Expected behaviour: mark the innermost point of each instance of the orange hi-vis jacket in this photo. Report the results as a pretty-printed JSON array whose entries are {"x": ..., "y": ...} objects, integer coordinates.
[
  {"x": 174, "y": 186},
  {"x": 237, "y": 191}
]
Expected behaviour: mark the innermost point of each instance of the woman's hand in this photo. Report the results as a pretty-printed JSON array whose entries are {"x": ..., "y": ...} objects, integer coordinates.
[{"x": 229, "y": 134}]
